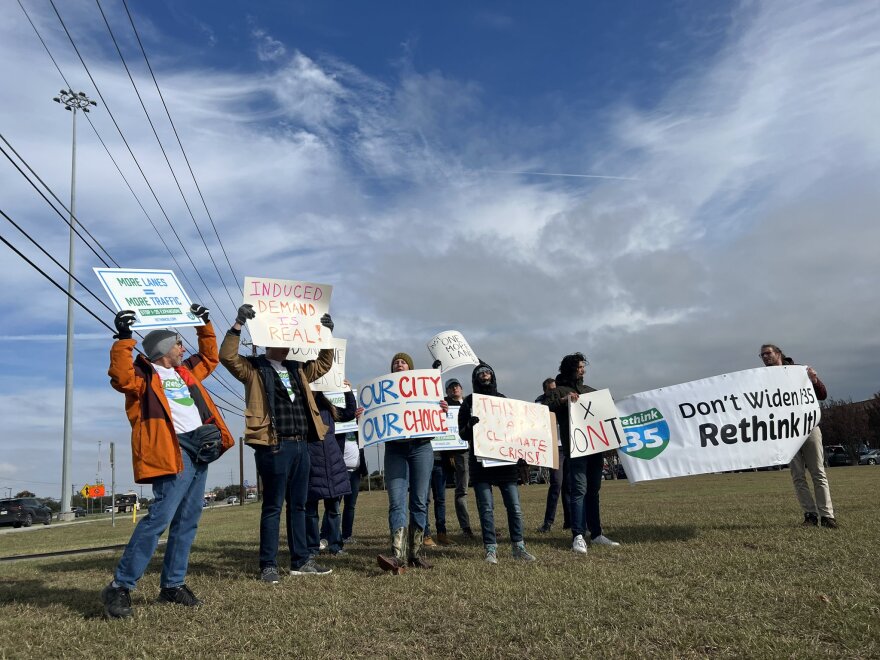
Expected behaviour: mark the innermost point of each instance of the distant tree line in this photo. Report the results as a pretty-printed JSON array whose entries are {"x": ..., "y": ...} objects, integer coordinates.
[{"x": 852, "y": 425}]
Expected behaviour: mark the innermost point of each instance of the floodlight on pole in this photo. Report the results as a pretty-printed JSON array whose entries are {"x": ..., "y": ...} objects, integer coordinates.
[{"x": 73, "y": 102}]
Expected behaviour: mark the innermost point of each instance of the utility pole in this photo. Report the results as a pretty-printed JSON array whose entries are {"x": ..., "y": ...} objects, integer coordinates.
[{"x": 73, "y": 102}]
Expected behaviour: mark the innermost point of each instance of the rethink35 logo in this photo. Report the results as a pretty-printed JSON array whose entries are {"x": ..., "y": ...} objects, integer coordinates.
[{"x": 646, "y": 433}]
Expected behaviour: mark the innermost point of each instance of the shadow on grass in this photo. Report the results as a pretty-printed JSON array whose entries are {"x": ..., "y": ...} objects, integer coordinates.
[
  {"x": 654, "y": 533},
  {"x": 86, "y": 602}
]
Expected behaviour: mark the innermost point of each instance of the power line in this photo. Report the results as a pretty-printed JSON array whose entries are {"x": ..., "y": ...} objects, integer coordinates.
[
  {"x": 137, "y": 163},
  {"x": 182, "y": 150},
  {"x": 162, "y": 148}
]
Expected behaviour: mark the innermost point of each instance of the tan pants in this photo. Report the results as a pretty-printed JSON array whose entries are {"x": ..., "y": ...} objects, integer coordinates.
[{"x": 812, "y": 458}]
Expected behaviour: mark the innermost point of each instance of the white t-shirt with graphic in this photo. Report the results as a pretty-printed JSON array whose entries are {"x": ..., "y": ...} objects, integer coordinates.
[
  {"x": 352, "y": 454},
  {"x": 184, "y": 413},
  {"x": 284, "y": 375}
]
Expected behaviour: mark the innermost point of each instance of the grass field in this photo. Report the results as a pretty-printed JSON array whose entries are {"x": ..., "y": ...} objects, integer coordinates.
[{"x": 713, "y": 566}]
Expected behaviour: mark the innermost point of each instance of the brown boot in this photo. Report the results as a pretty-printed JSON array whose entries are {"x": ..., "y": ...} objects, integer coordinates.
[
  {"x": 443, "y": 539},
  {"x": 429, "y": 543},
  {"x": 397, "y": 562},
  {"x": 416, "y": 540}
]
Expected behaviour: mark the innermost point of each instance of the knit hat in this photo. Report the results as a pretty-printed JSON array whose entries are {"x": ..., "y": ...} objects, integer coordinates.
[
  {"x": 158, "y": 343},
  {"x": 405, "y": 357}
]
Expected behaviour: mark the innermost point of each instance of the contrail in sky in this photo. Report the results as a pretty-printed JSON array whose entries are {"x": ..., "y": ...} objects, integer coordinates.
[{"x": 576, "y": 176}]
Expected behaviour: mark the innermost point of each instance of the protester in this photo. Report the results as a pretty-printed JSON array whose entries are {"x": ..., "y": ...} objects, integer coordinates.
[
  {"x": 559, "y": 481},
  {"x": 584, "y": 472},
  {"x": 328, "y": 477},
  {"x": 408, "y": 466},
  {"x": 356, "y": 466},
  {"x": 502, "y": 476},
  {"x": 282, "y": 417},
  {"x": 176, "y": 431},
  {"x": 810, "y": 457}
]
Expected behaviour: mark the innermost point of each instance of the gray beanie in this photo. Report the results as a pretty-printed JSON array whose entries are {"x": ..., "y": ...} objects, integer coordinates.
[{"x": 158, "y": 343}]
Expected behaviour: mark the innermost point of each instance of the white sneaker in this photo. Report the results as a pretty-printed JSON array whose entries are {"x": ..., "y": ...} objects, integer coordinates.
[
  {"x": 322, "y": 544},
  {"x": 603, "y": 540},
  {"x": 579, "y": 545}
]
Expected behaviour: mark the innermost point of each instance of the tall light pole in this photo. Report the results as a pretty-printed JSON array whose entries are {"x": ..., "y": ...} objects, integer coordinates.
[{"x": 72, "y": 101}]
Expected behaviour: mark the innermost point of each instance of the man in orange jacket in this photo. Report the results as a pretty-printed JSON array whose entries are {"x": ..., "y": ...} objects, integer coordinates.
[{"x": 176, "y": 431}]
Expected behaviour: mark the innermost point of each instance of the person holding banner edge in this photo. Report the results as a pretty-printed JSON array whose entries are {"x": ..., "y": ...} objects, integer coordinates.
[
  {"x": 810, "y": 456},
  {"x": 505, "y": 477},
  {"x": 408, "y": 465},
  {"x": 176, "y": 431},
  {"x": 281, "y": 417},
  {"x": 584, "y": 472}
]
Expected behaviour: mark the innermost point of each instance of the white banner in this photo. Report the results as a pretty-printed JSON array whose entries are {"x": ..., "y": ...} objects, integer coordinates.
[
  {"x": 401, "y": 406},
  {"x": 338, "y": 400},
  {"x": 510, "y": 430},
  {"x": 736, "y": 421},
  {"x": 288, "y": 312},
  {"x": 593, "y": 424},
  {"x": 156, "y": 296},
  {"x": 452, "y": 349},
  {"x": 333, "y": 380},
  {"x": 451, "y": 441}
]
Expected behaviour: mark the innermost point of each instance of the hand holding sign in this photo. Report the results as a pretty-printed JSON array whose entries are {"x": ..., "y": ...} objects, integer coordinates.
[
  {"x": 245, "y": 313},
  {"x": 123, "y": 322},
  {"x": 200, "y": 311}
]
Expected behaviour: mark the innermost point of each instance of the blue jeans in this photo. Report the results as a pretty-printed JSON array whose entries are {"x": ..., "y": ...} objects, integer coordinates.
[
  {"x": 559, "y": 481},
  {"x": 348, "y": 504},
  {"x": 331, "y": 525},
  {"x": 486, "y": 509},
  {"x": 438, "y": 488},
  {"x": 407, "y": 474},
  {"x": 177, "y": 501},
  {"x": 284, "y": 470},
  {"x": 585, "y": 474}
]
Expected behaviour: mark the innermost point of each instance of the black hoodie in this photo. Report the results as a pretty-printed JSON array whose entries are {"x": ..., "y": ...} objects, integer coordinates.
[{"x": 567, "y": 381}]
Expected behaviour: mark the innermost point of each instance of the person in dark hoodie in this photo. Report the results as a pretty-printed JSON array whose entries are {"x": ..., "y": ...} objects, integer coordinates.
[
  {"x": 328, "y": 477},
  {"x": 503, "y": 476},
  {"x": 584, "y": 472},
  {"x": 408, "y": 465}
]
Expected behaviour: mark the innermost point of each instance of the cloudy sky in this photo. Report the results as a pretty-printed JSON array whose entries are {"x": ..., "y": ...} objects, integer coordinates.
[{"x": 663, "y": 187}]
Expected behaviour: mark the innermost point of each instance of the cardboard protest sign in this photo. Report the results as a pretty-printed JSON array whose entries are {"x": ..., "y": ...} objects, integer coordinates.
[
  {"x": 401, "y": 406},
  {"x": 156, "y": 296},
  {"x": 451, "y": 348},
  {"x": 451, "y": 441},
  {"x": 593, "y": 424},
  {"x": 510, "y": 430},
  {"x": 736, "y": 421},
  {"x": 338, "y": 400},
  {"x": 288, "y": 312},
  {"x": 333, "y": 380}
]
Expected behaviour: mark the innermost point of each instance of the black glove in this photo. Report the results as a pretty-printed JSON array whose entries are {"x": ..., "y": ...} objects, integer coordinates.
[
  {"x": 200, "y": 312},
  {"x": 123, "y": 322},
  {"x": 245, "y": 312},
  {"x": 474, "y": 421},
  {"x": 327, "y": 322},
  {"x": 436, "y": 364}
]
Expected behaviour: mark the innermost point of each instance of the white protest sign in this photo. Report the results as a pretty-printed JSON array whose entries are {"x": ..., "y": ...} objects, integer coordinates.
[
  {"x": 338, "y": 400},
  {"x": 401, "y": 406},
  {"x": 288, "y": 312},
  {"x": 333, "y": 380},
  {"x": 452, "y": 350},
  {"x": 451, "y": 441},
  {"x": 510, "y": 430},
  {"x": 155, "y": 296},
  {"x": 593, "y": 424},
  {"x": 736, "y": 421}
]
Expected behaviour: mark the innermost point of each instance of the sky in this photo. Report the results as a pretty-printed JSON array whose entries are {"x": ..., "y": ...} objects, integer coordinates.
[{"x": 661, "y": 186}]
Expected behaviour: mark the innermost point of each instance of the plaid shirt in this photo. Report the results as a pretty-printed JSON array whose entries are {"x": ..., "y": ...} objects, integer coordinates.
[{"x": 290, "y": 416}]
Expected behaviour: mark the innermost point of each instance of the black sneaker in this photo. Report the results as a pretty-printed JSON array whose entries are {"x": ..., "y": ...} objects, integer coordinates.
[
  {"x": 828, "y": 522},
  {"x": 117, "y": 602},
  {"x": 544, "y": 529},
  {"x": 468, "y": 533},
  {"x": 339, "y": 553},
  {"x": 178, "y": 596},
  {"x": 810, "y": 520},
  {"x": 311, "y": 568},
  {"x": 270, "y": 575}
]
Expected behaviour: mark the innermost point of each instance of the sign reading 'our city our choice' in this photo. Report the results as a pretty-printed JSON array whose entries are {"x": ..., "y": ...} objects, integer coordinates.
[
  {"x": 156, "y": 296},
  {"x": 288, "y": 312},
  {"x": 736, "y": 421},
  {"x": 401, "y": 406}
]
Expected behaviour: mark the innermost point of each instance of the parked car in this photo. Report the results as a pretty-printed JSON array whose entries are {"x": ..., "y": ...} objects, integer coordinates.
[
  {"x": 232, "y": 499},
  {"x": 870, "y": 458},
  {"x": 24, "y": 511},
  {"x": 79, "y": 512},
  {"x": 838, "y": 456}
]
